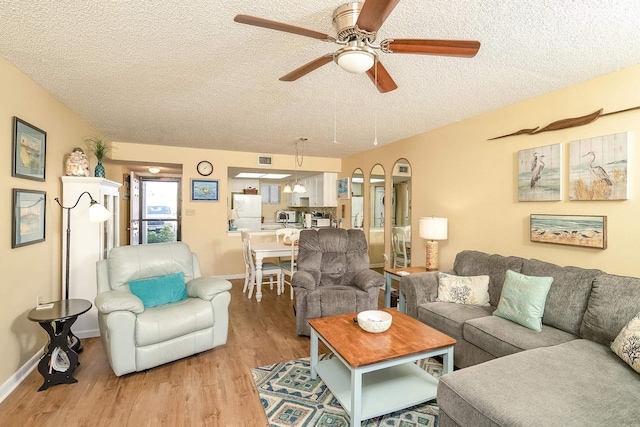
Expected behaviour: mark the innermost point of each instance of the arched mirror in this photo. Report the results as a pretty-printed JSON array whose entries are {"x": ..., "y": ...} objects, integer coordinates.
[
  {"x": 401, "y": 215},
  {"x": 357, "y": 199},
  {"x": 376, "y": 215}
]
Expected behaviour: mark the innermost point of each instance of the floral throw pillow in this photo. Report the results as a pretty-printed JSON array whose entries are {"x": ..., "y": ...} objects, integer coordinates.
[
  {"x": 469, "y": 290},
  {"x": 627, "y": 343}
]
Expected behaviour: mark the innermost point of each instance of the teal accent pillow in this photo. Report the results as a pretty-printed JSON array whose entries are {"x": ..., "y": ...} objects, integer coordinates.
[
  {"x": 159, "y": 290},
  {"x": 523, "y": 298}
]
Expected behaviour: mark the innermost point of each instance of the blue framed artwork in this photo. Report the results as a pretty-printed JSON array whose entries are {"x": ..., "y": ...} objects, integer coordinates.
[
  {"x": 204, "y": 190},
  {"x": 29, "y": 147},
  {"x": 343, "y": 188},
  {"x": 28, "y": 217}
]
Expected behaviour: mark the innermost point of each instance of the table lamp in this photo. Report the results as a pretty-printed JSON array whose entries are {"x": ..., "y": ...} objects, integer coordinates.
[{"x": 433, "y": 229}]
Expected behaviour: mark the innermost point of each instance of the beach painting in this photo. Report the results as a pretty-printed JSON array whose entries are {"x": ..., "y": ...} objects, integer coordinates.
[
  {"x": 540, "y": 174},
  {"x": 577, "y": 230},
  {"x": 598, "y": 168}
]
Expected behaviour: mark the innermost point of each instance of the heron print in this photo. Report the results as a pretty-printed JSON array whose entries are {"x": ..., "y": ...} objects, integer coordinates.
[
  {"x": 540, "y": 174},
  {"x": 599, "y": 168}
]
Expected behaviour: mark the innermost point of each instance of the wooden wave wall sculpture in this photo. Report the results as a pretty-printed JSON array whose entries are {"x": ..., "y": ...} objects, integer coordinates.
[{"x": 566, "y": 123}]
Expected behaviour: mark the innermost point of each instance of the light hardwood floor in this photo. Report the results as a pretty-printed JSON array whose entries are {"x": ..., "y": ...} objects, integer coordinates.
[{"x": 212, "y": 389}]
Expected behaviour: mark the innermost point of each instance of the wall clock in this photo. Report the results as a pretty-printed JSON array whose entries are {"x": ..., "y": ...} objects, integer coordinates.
[{"x": 205, "y": 168}]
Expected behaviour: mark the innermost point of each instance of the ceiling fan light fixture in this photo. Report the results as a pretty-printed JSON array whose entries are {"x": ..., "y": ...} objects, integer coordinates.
[{"x": 355, "y": 59}]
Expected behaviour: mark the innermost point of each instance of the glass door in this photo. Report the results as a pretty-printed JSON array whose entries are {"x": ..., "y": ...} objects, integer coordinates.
[{"x": 159, "y": 210}]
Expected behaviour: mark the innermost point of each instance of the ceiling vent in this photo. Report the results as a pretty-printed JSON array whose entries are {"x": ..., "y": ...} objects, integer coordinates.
[
  {"x": 265, "y": 161},
  {"x": 403, "y": 169}
]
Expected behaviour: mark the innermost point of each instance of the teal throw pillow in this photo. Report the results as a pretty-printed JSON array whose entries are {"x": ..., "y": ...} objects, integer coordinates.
[
  {"x": 159, "y": 290},
  {"x": 523, "y": 298}
]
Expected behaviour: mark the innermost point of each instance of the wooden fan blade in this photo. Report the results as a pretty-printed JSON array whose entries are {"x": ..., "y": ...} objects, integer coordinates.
[
  {"x": 307, "y": 68},
  {"x": 374, "y": 13},
  {"x": 463, "y": 48},
  {"x": 385, "y": 82},
  {"x": 281, "y": 26}
]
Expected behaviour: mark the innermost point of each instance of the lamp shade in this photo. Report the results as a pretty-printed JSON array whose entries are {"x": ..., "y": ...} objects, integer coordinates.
[
  {"x": 286, "y": 189},
  {"x": 432, "y": 228},
  {"x": 98, "y": 213},
  {"x": 299, "y": 188}
]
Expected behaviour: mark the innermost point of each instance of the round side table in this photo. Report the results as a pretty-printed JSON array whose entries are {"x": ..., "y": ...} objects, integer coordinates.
[{"x": 57, "y": 321}]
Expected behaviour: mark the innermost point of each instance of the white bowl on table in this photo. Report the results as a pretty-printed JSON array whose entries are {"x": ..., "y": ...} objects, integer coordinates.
[{"x": 374, "y": 321}]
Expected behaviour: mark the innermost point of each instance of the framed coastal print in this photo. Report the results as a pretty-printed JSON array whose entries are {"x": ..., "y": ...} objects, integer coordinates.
[
  {"x": 204, "y": 190},
  {"x": 598, "y": 168},
  {"x": 343, "y": 188},
  {"x": 540, "y": 174},
  {"x": 578, "y": 230},
  {"x": 28, "y": 217},
  {"x": 29, "y": 148}
]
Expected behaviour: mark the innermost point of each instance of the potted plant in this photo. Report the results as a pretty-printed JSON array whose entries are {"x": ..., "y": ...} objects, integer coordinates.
[{"x": 98, "y": 145}]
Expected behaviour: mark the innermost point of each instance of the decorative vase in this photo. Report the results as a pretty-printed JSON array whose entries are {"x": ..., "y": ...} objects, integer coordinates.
[{"x": 99, "y": 171}]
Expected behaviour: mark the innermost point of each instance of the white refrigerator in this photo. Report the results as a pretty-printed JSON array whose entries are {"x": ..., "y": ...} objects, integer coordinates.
[{"x": 249, "y": 209}]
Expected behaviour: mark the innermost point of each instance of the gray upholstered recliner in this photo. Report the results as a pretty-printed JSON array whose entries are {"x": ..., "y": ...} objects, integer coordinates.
[
  {"x": 136, "y": 338},
  {"x": 333, "y": 276}
]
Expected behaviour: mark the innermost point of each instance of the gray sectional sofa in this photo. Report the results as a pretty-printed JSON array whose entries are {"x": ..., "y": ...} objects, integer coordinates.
[{"x": 565, "y": 375}]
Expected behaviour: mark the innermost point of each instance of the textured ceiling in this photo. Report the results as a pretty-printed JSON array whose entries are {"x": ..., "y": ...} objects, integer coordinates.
[{"x": 184, "y": 73}]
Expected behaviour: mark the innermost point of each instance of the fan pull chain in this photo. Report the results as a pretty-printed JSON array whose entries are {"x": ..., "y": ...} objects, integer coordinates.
[
  {"x": 335, "y": 106},
  {"x": 375, "y": 108}
]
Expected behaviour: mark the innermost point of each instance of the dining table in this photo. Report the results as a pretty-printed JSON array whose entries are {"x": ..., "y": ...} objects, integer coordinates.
[{"x": 262, "y": 250}]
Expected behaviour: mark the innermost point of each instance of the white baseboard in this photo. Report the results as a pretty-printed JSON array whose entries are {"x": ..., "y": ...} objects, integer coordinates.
[
  {"x": 232, "y": 276},
  {"x": 19, "y": 376}
]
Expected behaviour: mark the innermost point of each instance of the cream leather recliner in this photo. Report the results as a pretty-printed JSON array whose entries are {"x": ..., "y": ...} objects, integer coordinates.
[{"x": 136, "y": 338}]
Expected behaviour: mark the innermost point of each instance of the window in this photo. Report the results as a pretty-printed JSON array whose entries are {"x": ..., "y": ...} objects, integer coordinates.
[{"x": 270, "y": 194}]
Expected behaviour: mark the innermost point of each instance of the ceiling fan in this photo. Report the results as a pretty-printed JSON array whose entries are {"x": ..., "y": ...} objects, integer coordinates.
[{"x": 356, "y": 25}]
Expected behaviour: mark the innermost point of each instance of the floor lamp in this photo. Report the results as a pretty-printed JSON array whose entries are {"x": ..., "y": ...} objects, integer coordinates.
[
  {"x": 97, "y": 213},
  {"x": 433, "y": 229}
]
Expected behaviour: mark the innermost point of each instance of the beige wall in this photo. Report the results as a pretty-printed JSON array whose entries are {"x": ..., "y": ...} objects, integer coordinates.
[
  {"x": 457, "y": 173},
  {"x": 206, "y": 231},
  {"x": 35, "y": 269}
]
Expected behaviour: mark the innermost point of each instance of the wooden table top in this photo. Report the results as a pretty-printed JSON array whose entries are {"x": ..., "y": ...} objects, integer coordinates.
[
  {"x": 405, "y": 337},
  {"x": 410, "y": 270}
]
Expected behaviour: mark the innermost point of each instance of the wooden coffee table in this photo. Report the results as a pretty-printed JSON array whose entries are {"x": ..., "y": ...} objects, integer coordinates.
[{"x": 375, "y": 374}]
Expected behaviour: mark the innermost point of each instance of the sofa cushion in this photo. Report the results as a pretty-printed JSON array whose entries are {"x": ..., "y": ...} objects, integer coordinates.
[
  {"x": 469, "y": 290},
  {"x": 474, "y": 263},
  {"x": 449, "y": 318},
  {"x": 159, "y": 290},
  {"x": 500, "y": 337},
  {"x": 613, "y": 302},
  {"x": 579, "y": 383},
  {"x": 569, "y": 293},
  {"x": 627, "y": 344},
  {"x": 522, "y": 300},
  {"x": 158, "y": 324}
]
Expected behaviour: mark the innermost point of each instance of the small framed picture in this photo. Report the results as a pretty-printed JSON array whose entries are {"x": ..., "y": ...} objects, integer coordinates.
[
  {"x": 204, "y": 190},
  {"x": 28, "y": 217},
  {"x": 588, "y": 231},
  {"x": 29, "y": 147},
  {"x": 343, "y": 188}
]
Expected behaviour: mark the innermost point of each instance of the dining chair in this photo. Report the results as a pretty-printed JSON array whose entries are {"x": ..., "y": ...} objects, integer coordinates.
[
  {"x": 289, "y": 266},
  {"x": 269, "y": 269},
  {"x": 401, "y": 257},
  {"x": 281, "y": 235}
]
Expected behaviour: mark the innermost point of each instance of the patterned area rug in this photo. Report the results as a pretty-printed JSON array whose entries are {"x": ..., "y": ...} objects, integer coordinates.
[{"x": 291, "y": 398}]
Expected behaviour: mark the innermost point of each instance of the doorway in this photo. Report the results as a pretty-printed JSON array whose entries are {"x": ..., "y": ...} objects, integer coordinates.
[{"x": 158, "y": 210}]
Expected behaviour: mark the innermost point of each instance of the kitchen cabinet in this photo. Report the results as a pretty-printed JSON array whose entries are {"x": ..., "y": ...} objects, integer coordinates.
[{"x": 321, "y": 192}]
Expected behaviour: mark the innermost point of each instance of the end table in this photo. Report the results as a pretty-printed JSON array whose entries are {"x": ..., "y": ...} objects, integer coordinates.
[
  {"x": 57, "y": 321},
  {"x": 397, "y": 274}
]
